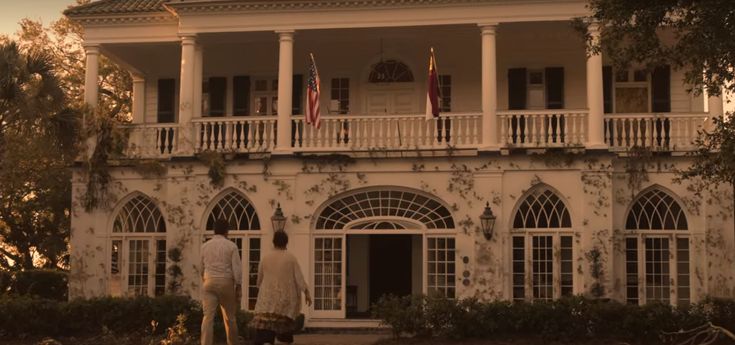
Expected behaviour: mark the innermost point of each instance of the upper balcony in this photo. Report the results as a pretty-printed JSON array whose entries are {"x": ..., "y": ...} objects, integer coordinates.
[{"x": 519, "y": 85}]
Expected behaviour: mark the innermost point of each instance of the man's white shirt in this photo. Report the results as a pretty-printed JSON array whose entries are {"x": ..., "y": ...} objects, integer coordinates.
[{"x": 220, "y": 259}]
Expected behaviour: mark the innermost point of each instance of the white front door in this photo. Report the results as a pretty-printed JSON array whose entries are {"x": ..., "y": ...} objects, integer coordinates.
[{"x": 391, "y": 100}]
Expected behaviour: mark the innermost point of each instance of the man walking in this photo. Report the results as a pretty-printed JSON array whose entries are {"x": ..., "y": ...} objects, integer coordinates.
[{"x": 222, "y": 280}]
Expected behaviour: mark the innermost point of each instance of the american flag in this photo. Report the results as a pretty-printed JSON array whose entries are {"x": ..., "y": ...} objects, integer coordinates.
[
  {"x": 312, "y": 95},
  {"x": 432, "y": 89}
]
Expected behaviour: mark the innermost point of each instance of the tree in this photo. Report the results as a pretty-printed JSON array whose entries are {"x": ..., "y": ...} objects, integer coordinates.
[
  {"x": 696, "y": 36},
  {"x": 37, "y": 144}
]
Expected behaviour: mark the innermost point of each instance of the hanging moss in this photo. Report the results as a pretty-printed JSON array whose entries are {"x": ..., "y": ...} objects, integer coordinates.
[{"x": 216, "y": 163}]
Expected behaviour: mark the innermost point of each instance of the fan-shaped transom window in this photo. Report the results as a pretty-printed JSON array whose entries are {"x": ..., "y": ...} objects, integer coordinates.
[
  {"x": 542, "y": 209},
  {"x": 390, "y": 71},
  {"x": 237, "y": 210},
  {"x": 139, "y": 214},
  {"x": 386, "y": 203},
  {"x": 656, "y": 210},
  {"x": 379, "y": 225}
]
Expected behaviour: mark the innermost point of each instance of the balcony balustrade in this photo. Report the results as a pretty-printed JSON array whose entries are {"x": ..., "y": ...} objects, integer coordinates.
[
  {"x": 348, "y": 133},
  {"x": 660, "y": 132},
  {"x": 543, "y": 128}
]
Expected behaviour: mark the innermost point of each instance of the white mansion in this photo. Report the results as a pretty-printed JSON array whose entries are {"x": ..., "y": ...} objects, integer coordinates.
[{"x": 575, "y": 160}]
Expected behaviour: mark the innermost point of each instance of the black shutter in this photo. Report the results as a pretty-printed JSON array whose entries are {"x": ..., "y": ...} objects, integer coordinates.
[
  {"x": 217, "y": 90},
  {"x": 554, "y": 87},
  {"x": 298, "y": 89},
  {"x": 166, "y": 100},
  {"x": 241, "y": 95},
  {"x": 516, "y": 88},
  {"x": 607, "y": 88},
  {"x": 661, "y": 89}
]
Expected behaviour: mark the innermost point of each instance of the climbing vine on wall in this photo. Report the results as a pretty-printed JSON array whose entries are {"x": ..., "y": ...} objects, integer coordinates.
[{"x": 216, "y": 163}]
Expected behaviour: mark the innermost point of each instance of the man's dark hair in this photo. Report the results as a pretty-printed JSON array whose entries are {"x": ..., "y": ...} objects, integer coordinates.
[
  {"x": 221, "y": 226},
  {"x": 280, "y": 239}
]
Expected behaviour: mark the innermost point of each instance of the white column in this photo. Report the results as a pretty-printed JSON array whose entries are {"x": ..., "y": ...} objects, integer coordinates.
[
  {"x": 285, "y": 89},
  {"x": 91, "y": 75},
  {"x": 595, "y": 102},
  {"x": 91, "y": 91},
  {"x": 138, "y": 99},
  {"x": 186, "y": 94},
  {"x": 198, "y": 79},
  {"x": 489, "y": 89}
]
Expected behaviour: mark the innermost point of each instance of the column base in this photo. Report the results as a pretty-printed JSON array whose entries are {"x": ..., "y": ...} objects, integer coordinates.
[
  {"x": 489, "y": 148},
  {"x": 282, "y": 152},
  {"x": 596, "y": 146}
]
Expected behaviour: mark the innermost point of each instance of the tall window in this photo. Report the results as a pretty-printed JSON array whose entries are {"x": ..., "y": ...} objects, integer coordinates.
[
  {"x": 657, "y": 250},
  {"x": 340, "y": 94},
  {"x": 138, "y": 249},
  {"x": 245, "y": 232},
  {"x": 542, "y": 227},
  {"x": 445, "y": 101}
]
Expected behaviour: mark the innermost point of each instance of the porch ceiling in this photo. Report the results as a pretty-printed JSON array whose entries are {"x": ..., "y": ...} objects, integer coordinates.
[{"x": 161, "y": 59}]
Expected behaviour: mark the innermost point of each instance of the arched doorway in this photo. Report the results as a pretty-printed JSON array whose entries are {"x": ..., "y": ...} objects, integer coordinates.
[
  {"x": 377, "y": 241},
  {"x": 390, "y": 89}
]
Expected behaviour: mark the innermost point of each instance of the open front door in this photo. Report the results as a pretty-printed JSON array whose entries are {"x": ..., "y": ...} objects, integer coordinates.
[{"x": 329, "y": 280}]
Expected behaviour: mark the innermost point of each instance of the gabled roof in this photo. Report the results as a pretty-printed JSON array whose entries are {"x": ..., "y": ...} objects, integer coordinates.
[{"x": 103, "y": 7}]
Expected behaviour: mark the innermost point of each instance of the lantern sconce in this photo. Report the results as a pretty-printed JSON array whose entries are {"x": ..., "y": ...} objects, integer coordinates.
[
  {"x": 487, "y": 222},
  {"x": 278, "y": 219}
]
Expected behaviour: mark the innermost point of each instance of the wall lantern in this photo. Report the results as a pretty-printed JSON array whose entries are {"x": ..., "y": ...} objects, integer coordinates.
[
  {"x": 487, "y": 222},
  {"x": 278, "y": 219}
]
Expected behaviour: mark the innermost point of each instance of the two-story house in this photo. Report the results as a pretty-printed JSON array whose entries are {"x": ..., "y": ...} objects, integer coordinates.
[{"x": 575, "y": 160}]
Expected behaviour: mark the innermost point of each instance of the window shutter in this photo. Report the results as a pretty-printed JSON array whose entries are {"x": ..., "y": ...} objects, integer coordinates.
[
  {"x": 517, "y": 88},
  {"x": 217, "y": 91},
  {"x": 607, "y": 88},
  {"x": 298, "y": 89},
  {"x": 661, "y": 89},
  {"x": 241, "y": 95},
  {"x": 166, "y": 100},
  {"x": 554, "y": 87}
]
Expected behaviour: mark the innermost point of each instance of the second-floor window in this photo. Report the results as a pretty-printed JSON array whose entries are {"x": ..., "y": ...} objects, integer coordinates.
[
  {"x": 340, "y": 96},
  {"x": 445, "y": 94},
  {"x": 536, "y": 88},
  {"x": 637, "y": 90}
]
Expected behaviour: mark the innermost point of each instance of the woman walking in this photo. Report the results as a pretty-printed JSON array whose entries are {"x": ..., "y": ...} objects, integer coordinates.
[{"x": 280, "y": 283}]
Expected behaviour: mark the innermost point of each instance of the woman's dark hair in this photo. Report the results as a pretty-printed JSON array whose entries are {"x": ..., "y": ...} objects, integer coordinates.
[
  {"x": 280, "y": 239},
  {"x": 221, "y": 226}
]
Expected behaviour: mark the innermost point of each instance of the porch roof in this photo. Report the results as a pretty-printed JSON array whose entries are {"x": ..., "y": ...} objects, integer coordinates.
[{"x": 106, "y": 7}]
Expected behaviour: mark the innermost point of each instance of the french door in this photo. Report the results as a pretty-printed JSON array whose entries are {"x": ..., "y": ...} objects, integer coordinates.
[{"x": 329, "y": 277}]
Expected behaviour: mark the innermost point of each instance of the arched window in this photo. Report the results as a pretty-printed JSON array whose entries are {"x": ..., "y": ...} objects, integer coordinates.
[
  {"x": 384, "y": 203},
  {"x": 390, "y": 71},
  {"x": 657, "y": 250},
  {"x": 542, "y": 226},
  {"x": 138, "y": 249},
  {"x": 245, "y": 232}
]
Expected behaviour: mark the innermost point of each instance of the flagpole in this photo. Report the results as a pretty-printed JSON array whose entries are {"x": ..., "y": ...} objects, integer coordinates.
[{"x": 438, "y": 80}]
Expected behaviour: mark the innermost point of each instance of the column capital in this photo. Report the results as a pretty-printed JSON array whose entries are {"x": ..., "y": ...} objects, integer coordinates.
[
  {"x": 137, "y": 78},
  {"x": 488, "y": 28},
  {"x": 285, "y": 35},
  {"x": 188, "y": 39},
  {"x": 91, "y": 48}
]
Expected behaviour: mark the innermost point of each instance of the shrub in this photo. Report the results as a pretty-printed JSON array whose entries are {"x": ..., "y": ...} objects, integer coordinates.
[
  {"x": 403, "y": 314},
  {"x": 563, "y": 320},
  {"x": 5, "y": 279},
  {"x": 43, "y": 283},
  {"x": 26, "y": 315}
]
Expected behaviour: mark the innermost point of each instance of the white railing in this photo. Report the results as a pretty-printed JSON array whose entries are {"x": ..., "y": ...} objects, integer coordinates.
[
  {"x": 235, "y": 134},
  {"x": 152, "y": 140},
  {"x": 666, "y": 131},
  {"x": 368, "y": 132},
  {"x": 543, "y": 128}
]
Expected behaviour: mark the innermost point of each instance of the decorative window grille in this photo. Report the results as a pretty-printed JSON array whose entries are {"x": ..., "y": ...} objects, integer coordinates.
[
  {"x": 543, "y": 228},
  {"x": 245, "y": 233},
  {"x": 138, "y": 249},
  {"x": 390, "y": 203},
  {"x": 441, "y": 266},
  {"x": 237, "y": 210},
  {"x": 328, "y": 273},
  {"x": 390, "y": 71},
  {"x": 657, "y": 250}
]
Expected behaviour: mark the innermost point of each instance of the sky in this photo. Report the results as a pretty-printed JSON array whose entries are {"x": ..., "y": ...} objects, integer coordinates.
[{"x": 12, "y": 11}]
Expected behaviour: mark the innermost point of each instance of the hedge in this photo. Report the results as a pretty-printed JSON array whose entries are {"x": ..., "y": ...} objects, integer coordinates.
[
  {"x": 29, "y": 316},
  {"x": 565, "y": 320}
]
